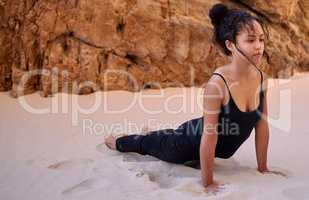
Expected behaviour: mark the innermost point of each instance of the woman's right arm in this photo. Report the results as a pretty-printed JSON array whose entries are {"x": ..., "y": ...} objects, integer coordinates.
[{"x": 212, "y": 101}]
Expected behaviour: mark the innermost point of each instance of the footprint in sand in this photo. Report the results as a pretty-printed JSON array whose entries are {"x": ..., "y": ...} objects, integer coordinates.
[
  {"x": 70, "y": 164},
  {"x": 164, "y": 181},
  {"x": 297, "y": 193},
  {"x": 165, "y": 175},
  {"x": 157, "y": 172},
  {"x": 87, "y": 185}
]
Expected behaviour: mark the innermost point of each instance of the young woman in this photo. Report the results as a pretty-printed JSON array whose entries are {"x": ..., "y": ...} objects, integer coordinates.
[{"x": 234, "y": 104}]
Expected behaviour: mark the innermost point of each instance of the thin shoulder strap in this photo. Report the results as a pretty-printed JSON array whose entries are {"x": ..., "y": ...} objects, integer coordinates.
[
  {"x": 223, "y": 80},
  {"x": 261, "y": 79}
]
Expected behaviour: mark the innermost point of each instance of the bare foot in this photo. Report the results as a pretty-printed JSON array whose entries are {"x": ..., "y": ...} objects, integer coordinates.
[{"x": 110, "y": 141}]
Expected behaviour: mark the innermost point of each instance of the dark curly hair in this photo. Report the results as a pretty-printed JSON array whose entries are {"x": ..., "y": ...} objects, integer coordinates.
[{"x": 229, "y": 22}]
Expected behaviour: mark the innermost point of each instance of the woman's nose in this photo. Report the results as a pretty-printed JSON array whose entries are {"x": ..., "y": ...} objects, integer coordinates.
[{"x": 259, "y": 45}]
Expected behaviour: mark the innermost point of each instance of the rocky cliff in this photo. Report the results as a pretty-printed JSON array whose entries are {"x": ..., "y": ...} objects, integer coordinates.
[{"x": 81, "y": 46}]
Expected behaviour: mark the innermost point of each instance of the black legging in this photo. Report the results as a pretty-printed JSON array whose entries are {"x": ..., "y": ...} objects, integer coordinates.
[{"x": 171, "y": 145}]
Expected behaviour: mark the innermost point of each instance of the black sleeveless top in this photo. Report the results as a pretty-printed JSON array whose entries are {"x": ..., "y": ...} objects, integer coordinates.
[{"x": 235, "y": 126}]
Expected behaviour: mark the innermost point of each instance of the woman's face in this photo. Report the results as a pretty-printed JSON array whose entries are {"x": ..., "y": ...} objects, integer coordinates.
[{"x": 251, "y": 42}]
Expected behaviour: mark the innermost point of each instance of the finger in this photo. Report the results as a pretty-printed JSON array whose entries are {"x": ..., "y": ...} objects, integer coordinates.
[
  {"x": 282, "y": 174},
  {"x": 279, "y": 173}
]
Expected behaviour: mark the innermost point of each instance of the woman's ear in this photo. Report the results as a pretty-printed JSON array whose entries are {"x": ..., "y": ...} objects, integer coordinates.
[{"x": 230, "y": 46}]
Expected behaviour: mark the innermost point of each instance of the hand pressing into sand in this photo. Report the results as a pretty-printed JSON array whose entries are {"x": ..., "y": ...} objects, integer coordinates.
[
  {"x": 267, "y": 171},
  {"x": 214, "y": 188}
]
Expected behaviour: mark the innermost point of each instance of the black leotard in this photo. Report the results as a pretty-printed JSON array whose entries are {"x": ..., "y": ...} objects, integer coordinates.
[
  {"x": 235, "y": 125},
  {"x": 182, "y": 144}
]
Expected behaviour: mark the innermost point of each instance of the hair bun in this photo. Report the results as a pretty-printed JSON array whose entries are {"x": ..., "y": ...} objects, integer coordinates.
[{"x": 217, "y": 12}]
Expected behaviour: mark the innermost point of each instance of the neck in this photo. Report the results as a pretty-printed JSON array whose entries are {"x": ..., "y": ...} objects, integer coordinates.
[{"x": 241, "y": 67}]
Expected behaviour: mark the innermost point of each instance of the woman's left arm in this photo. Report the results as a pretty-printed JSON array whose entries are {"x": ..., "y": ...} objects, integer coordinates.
[
  {"x": 262, "y": 137},
  {"x": 262, "y": 133}
]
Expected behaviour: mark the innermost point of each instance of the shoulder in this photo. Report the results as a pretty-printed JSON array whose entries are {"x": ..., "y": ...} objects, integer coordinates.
[
  {"x": 215, "y": 84},
  {"x": 214, "y": 78},
  {"x": 222, "y": 70}
]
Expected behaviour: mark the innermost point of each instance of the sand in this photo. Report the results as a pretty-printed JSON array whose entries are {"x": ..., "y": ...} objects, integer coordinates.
[{"x": 54, "y": 149}]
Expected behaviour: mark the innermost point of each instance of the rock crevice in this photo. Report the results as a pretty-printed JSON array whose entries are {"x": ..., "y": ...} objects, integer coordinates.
[{"x": 81, "y": 46}]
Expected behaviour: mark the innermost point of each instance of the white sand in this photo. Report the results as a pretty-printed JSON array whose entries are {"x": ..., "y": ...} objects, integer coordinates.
[{"x": 58, "y": 156}]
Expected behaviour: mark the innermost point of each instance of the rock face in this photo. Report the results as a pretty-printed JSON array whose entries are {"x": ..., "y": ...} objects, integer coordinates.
[{"x": 81, "y": 46}]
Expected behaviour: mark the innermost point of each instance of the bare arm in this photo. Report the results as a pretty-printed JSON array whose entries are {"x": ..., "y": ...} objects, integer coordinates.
[
  {"x": 262, "y": 135},
  {"x": 211, "y": 105}
]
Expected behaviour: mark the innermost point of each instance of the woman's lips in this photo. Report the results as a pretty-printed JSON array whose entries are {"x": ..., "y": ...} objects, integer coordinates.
[{"x": 257, "y": 55}]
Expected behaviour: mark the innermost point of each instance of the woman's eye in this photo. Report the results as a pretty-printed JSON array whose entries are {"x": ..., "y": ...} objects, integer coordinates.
[
  {"x": 250, "y": 41},
  {"x": 262, "y": 39}
]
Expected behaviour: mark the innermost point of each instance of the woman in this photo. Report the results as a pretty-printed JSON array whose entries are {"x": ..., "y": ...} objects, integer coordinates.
[{"x": 230, "y": 111}]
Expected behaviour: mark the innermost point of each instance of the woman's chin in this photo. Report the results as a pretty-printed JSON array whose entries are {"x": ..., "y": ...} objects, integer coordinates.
[{"x": 257, "y": 61}]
